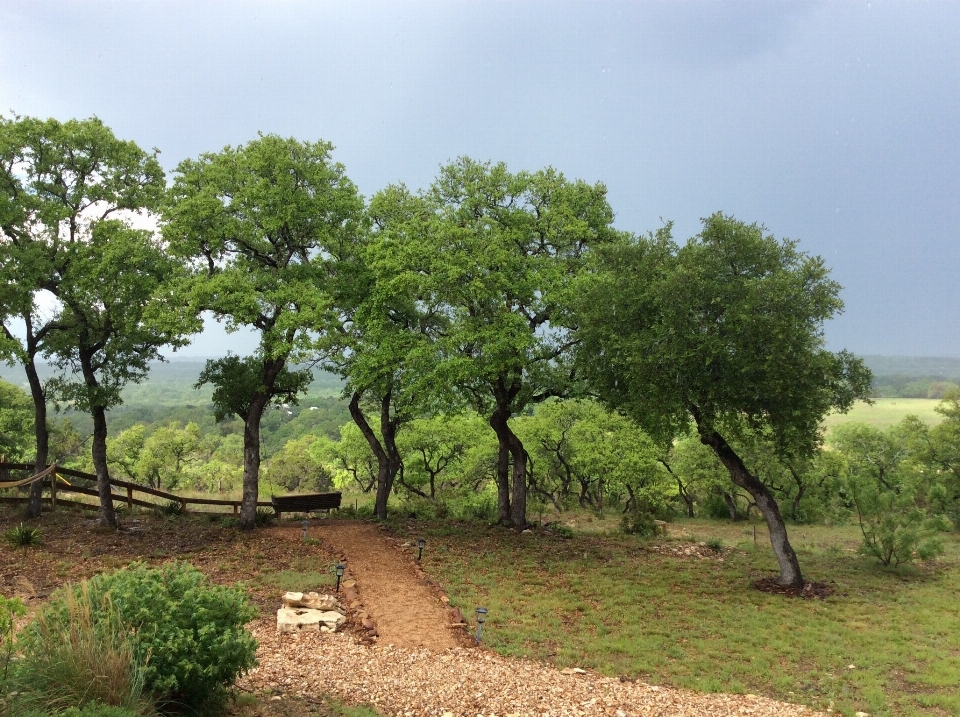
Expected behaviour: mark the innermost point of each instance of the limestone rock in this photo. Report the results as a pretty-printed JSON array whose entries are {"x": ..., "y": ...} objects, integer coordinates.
[
  {"x": 310, "y": 600},
  {"x": 303, "y": 619}
]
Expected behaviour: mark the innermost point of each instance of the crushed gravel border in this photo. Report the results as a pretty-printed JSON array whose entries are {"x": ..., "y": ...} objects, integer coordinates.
[{"x": 463, "y": 682}]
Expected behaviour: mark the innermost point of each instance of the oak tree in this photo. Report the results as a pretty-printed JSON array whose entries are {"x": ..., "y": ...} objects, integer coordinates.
[
  {"x": 263, "y": 224},
  {"x": 726, "y": 333}
]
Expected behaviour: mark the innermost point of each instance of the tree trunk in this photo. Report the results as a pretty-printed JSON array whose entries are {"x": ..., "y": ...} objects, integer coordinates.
[
  {"x": 251, "y": 442},
  {"x": 498, "y": 422},
  {"x": 41, "y": 433},
  {"x": 388, "y": 428},
  {"x": 386, "y": 470},
  {"x": 687, "y": 498},
  {"x": 512, "y": 503},
  {"x": 766, "y": 503},
  {"x": 795, "y": 508},
  {"x": 108, "y": 516},
  {"x": 681, "y": 488},
  {"x": 98, "y": 450},
  {"x": 518, "y": 510},
  {"x": 251, "y": 461},
  {"x": 731, "y": 501}
]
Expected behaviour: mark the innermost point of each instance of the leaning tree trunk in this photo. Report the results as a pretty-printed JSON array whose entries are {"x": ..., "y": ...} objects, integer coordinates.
[
  {"x": 386, "y": 471},
  {"x": 731, "y": 501},
  {"x": 42, "y": 434},
  {"x": 766, "y": 503},
  {"x": 108, "y": 516}
]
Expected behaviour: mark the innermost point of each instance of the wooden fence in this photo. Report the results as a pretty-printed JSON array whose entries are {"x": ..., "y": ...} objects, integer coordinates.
[{"x": 130, "y": 489}]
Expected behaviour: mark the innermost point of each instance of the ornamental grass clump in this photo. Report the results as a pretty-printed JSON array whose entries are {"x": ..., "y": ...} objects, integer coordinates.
[
  {"x": 23, "y": 536},
  {"x": 79, "y": 653},
  {"x": 186, "y": 634}
]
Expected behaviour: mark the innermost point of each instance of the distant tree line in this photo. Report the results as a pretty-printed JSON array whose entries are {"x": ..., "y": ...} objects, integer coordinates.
[{"x": 487, "y": 294}]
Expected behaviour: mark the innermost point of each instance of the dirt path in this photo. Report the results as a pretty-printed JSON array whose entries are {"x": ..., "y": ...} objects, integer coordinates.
[{"x": 405, "y": 606}]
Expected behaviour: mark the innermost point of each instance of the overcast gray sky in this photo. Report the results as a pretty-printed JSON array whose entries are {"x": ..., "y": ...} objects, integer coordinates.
[{"x": 836, "y": 124}]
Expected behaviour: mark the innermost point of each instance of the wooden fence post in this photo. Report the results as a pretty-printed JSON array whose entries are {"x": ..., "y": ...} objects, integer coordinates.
[
  {"x": 53, "y": 489},
  {"x": 130, "y": 498}
]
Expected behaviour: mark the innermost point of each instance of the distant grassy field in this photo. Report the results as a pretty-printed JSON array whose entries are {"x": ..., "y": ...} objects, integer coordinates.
[
  {"x": 887, "y": 412},
  {"x": 676, "y": 612}
]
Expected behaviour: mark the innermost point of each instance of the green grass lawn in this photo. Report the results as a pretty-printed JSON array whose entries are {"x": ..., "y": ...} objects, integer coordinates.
[
  {"x": 887, "y": 642},
  {"x": 887, "y": 412}
]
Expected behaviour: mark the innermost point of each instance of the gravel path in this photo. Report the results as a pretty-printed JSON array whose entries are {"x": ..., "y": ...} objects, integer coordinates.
[
  {"x": 465, "y": 682},
  {"x": 402, "y": 603},
  {"x": 416, "y": 669}
]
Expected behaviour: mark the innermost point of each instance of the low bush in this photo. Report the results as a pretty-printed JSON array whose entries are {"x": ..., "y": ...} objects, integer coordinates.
[
  {"x": 23, "y": 536},
  {"x": 895, "y": 530},
  {"x": 189, "y": 633},
  {"x": 639, "y": 522},
  {"x": 10, "y": 610},
  {"x": 264, "y": 517},
  {"x": 172, "y": 508},
  {"x": 79, "y": 653}
]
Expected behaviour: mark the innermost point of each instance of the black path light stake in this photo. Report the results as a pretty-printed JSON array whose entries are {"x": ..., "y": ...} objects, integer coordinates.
[
  {"x": 305, "y": 524},
  {"x": 420, "y": 545},
  {"x": 481, "y": 618},
  {"x": 339, "y": 570}
]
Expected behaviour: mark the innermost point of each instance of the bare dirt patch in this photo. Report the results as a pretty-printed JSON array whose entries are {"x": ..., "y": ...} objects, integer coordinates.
[{"x": 809, "y": 591}]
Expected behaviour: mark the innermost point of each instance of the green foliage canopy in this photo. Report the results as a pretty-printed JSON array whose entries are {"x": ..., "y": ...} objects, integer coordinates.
[{"x": 726, "y": 332}]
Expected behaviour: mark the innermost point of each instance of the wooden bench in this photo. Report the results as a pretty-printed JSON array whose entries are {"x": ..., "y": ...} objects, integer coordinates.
[{"x": 305, "y": 503}]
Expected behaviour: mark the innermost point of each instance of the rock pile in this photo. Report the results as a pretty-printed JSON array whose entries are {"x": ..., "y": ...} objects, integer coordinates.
[{"x": 310, "y": 612}]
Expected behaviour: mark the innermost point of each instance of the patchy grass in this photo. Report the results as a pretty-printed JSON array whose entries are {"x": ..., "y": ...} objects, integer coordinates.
[
  {"x": 887, "y": 642},
  {"x": 886, "y": 412}
]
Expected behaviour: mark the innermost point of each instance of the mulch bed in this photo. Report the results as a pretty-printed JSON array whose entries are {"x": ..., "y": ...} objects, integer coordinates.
[{"x": 820, "y": 591}]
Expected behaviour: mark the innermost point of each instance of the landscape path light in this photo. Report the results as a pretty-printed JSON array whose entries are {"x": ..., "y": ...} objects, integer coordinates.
[
  {"x": 305, "y": 524},
  {"x": 339, "y": 570},
  {"x": 420, "y": 545},
  {"x": 481, "y": 618}
]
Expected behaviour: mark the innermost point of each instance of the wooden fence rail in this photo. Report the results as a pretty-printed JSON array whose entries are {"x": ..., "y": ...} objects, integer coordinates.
[{"x": 130, "y": 489}]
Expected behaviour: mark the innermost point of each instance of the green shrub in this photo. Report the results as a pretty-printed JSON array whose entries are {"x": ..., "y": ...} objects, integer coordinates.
[
  {"x": 894, "y": 528},
  {"x": 79, "y": 652},
  {"x": 173, "y": 508},
  {"x": 10, "y": 610},
  {"x": 639, "y": 522},
  {"x": 564, "y": 531},
  {"x": 189, "y": 632},
  {"x": 715, "y": 544},
  {"x": 264, "y": 517},
  {"x": 23, "y": 536},
  {"x": 475, "y": 506}
]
